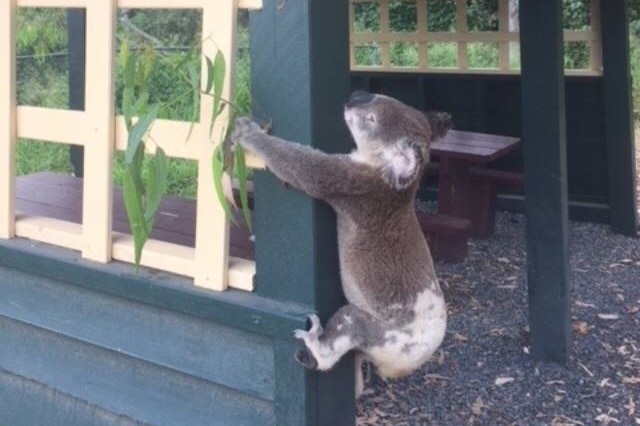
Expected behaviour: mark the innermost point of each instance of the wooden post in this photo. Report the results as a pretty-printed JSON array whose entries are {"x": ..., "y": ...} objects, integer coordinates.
[
  {"x": 98, "y": 180},
  {"x": 619, "y": 116},
  {"x": 8, "y": 130},
  {"x": 544, "y": 140},
  {"x": 300, "y": 66},
  {"x": 76, "y": 30}
]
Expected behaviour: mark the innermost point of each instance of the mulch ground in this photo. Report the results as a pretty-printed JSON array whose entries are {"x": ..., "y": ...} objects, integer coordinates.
[{"x": 483, "y": 373}]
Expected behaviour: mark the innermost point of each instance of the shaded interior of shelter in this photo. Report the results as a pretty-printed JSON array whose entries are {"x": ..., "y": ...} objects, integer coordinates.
[
  {"x": 492, "y": 104},
  {"x": 59, "y": 196}
]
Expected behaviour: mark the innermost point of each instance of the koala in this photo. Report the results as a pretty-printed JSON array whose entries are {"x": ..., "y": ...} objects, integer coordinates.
[{"x": 396, "y": 314}]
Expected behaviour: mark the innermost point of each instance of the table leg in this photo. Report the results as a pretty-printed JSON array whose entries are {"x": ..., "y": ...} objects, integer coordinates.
[{"x": 461, "y": 194}]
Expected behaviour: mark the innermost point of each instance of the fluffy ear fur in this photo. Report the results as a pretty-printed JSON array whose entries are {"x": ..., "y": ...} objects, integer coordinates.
[{"x": 402, "y": 165}]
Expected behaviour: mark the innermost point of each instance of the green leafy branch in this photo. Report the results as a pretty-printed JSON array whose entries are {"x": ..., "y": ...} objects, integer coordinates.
[
  {"x": 142, "y": 192},
  {"x": 226, "y": 162},
  {"x": 145, "y": 183}
]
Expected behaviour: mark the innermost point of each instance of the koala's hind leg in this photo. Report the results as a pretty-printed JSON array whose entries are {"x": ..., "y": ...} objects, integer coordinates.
[{"x": 346, "y": 330}]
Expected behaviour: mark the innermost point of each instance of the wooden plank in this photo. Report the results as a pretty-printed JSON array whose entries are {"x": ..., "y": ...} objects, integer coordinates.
[
  {"x": 385, "y": 29},
  {"x": 8, "y": 126},
  {"x": 595, "y": 46},
  {"x": 99, "y": 89},
  {"x": 212, "y": 227},
  {"x": 462, "y": 28},
  {"x": 296, "y": 247},
  {"x": 423, "y": 57},
  {"x": 172, "y": 135},
  {"x": 503, "y": 28},
  {"x": 52, "y": 125},
  {"x": 440, "y": 37},
  {"x": 51, "y": 231},
  {"x": 239, "y": 310},
  {"x": 619, "y": 117},
  {"x": 180, "y": 260},
  {"x": 478, "y": 147},
  {"x": 473, "y": 71},
  {"x": 183, "y": 343},
  {"x": 543, "y": 117}
]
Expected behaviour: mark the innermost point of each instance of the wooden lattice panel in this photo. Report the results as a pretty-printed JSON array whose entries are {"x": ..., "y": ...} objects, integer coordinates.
[
  {"x": 383, "y": 38},
  {"x": 101, "y": 133}
]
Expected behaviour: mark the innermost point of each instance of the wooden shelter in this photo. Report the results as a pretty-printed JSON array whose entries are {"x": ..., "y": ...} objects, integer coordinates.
[{"x": 86, "y": 342}]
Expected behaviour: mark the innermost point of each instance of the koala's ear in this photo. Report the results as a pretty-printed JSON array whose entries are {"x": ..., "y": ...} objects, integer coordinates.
[{"x": 401, "y": 165}]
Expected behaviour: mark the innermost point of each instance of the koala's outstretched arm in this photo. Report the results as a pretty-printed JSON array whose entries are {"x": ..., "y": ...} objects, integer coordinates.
[{"x": 318, "y": 174}]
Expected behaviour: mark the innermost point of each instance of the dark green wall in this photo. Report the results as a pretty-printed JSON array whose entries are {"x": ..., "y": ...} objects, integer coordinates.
[
  {"x": 87, "y": 344},
  {"x": 492, "y": 104}
]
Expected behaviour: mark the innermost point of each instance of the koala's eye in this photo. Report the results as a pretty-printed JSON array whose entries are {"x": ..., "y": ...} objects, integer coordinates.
[{"x": 370, "y": 118}]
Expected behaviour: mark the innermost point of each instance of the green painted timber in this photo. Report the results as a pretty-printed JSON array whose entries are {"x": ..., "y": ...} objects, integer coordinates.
[
  {"x": 89, "y": 344},
  {"x": 300, "y": 82},
  {"x": 237, "y": 309},
  {"x": 545, "y": 166},
  {"x": 619, "y": 116}
]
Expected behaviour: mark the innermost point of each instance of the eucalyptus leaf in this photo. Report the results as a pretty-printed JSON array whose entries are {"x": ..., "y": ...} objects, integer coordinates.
[
  {"x": 138, "y": 131},
  {"x": 141, "y": 104},
  {"x": 129, "y": 71},
  {"x": 219, "y": 71},
  {"x": 156, "y": 185},
  {"x": 137, "y": 224},
  {"x": 210, "y": 74},
  {"x": 217, "y": 166},
  {"x": 125, "y": 51},
  {"x": 135, "y": 170},
  {"x": 128, "y": 109}
]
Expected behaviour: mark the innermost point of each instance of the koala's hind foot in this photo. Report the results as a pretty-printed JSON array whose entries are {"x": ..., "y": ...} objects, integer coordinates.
[{"x": 346, "y": 330}]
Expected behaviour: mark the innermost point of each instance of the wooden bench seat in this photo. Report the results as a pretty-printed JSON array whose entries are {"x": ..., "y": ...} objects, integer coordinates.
[{"x": 448, "y": 236}]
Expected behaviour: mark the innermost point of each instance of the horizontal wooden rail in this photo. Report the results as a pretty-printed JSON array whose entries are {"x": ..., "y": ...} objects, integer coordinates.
[
  {"x": 135, "y": 4},
  {"x": 157, "y": 254}
]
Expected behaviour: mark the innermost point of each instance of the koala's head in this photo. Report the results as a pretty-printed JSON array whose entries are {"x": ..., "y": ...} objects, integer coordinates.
[{"x": 389, "y": 135}]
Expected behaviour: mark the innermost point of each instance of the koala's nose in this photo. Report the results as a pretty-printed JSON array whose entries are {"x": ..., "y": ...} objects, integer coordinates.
[{"x": 359, "y": 97}]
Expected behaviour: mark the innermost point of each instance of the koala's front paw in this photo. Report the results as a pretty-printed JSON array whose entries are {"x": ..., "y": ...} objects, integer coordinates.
[{"x": 243, "y": 128}]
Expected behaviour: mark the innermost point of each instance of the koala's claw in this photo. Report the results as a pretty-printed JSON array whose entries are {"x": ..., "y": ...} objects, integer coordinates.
[
  {"x": 300, "y": 334},
  {"x": 316, "y": 326},
  {"x": 313, "y": 333},
  {"x": 306, "y": 359}
]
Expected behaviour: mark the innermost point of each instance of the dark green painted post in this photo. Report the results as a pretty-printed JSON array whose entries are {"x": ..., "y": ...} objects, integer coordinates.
[
  {"x": 619, "y": 116},
  {"x": 544, "y": 140},
  {"x": 76, "y": 26},
  {"x": 300, "y": 81}
]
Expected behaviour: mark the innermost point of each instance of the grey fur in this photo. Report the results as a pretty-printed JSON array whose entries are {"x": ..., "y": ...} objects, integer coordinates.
[{"x": 384, "y": 259}]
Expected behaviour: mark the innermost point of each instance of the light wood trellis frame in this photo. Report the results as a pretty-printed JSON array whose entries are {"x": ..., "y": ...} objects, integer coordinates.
[
  {"x": 100, "y": 132},
  {"x": 504, "y": 37}
]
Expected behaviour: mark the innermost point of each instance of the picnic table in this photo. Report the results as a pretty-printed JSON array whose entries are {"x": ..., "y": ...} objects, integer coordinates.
[{"x": 466, "y": 186}]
